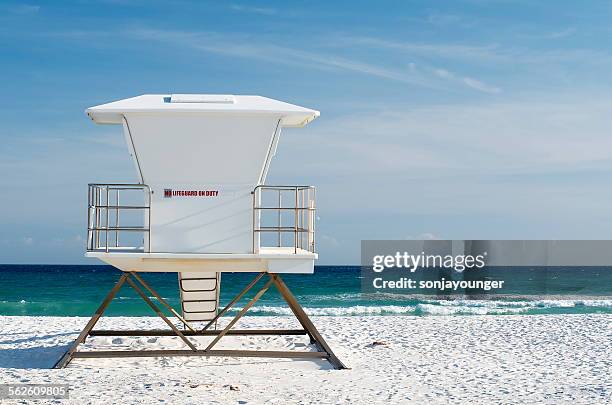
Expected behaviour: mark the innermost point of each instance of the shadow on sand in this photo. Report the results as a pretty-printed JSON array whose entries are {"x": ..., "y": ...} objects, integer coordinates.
[{"x": 32, "y": 357}]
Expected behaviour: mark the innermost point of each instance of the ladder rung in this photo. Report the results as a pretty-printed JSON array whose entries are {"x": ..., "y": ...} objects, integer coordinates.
[
  {"x": 199, "y": 304},
  {"x": 200, "y": 300}
]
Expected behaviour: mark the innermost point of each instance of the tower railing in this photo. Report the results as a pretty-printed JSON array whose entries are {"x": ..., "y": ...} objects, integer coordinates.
[
  {"x": 283, "y": 217},
  {"x": 284, "y": 211},
  {"x": 106, "y": 209}
]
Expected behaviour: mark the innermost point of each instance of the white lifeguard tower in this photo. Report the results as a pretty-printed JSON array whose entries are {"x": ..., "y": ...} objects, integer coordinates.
[{"x": 201, "y": 208}]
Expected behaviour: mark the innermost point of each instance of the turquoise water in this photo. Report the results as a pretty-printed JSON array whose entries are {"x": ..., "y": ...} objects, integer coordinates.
[{"x": 56, "y": 290}]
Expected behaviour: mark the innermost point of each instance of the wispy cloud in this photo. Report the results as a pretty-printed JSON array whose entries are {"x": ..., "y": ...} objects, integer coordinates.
[
  {"x": 478, "y": 85},
  {"x": 445, "y": 20},
  {"x": 468, "y": 81},
  {"x": 221, "y": 44},
  {"x": 561, "y": 34},
  {"x": 255, "y": 10},
  {"x": 522, "y": 162},
  {"x": 24, "y": 9},
  {"x": 522, "y": 136},
  {"x": 487, "y": 68},
  {"x": 467, "y": 63},
  {"x": 324, "y": 57},
  {"x": 493, "y": 54},
  {"x": 441, "y": 50},
  {"x": 411, "y": 73}
]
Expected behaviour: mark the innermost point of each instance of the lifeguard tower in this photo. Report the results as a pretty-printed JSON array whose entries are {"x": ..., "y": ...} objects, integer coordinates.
[{"x": 201, "y": 208}]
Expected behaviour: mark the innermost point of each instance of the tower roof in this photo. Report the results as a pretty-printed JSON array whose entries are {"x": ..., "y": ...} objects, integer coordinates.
[{"x": 291, "y": 115}]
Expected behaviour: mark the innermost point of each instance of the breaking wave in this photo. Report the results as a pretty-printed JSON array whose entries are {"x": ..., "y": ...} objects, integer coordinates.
[
  {"x": 451, "y": 307},
  {"x": 338, "y": 311}
]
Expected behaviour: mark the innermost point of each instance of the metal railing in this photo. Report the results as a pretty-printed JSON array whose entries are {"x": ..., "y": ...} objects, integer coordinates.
[
  {"x": 103, "y": 217},
  {"x": 300, "y": 201},
  {"x": 293, "y": 212}
]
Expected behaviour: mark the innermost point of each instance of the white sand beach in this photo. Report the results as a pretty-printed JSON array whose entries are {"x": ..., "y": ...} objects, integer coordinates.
[{"x": 445, "y": 359}]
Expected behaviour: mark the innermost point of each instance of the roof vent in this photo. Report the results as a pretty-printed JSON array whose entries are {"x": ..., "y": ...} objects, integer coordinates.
[{"x": 203, "y": 98}]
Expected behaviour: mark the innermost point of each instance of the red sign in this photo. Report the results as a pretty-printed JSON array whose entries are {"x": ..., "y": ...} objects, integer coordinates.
[{"x": 168, "y": 193}]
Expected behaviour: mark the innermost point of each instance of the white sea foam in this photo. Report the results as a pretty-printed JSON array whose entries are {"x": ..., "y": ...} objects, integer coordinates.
[
  {"x": 440, "y": 307},
  {"x": 344, "y": 296},
  {"x": 338, "y": 311},
  {"x": 595, "y": 303},
  {"x": 431, "y": 309}
]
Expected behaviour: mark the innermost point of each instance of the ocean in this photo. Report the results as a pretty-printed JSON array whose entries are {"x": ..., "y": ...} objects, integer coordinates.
[{"x": 62, "y": 290}]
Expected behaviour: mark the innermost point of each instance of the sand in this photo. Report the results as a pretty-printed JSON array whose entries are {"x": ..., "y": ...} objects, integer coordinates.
[{"x": 440, "y": 359}]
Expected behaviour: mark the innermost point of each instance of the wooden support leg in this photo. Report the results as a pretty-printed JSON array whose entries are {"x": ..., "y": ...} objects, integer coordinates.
[
  {"x": 70, "y": 353},
  {"x": 160, "y": 314},
  {"x": 233, "y": 332},
  {"x": 313, "y": 340},
  {"x": 67, "y": 357},
  {"x": 163, "y": 301},
  {"x": 240, "y": 314},
  {"x": 233, "y": 301},
  {"x": 309, "y": 328},
  {"x": 302, "y": 317}
]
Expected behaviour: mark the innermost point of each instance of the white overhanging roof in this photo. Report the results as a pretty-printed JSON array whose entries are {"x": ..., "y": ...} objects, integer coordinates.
[{"x": 112, "y": 113}]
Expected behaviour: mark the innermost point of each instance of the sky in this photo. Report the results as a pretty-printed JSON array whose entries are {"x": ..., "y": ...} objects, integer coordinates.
[{"x": 468, "y": 119}]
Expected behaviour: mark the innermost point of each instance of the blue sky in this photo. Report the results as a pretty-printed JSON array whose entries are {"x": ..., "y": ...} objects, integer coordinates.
[{"x": 470, "y": 119}]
